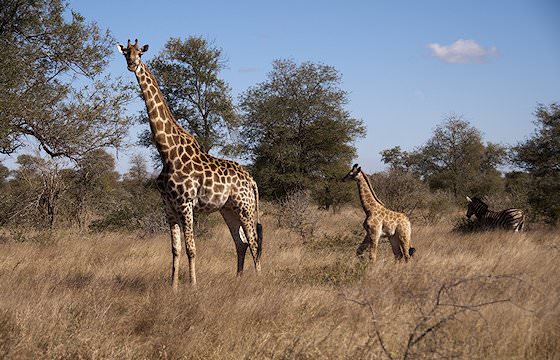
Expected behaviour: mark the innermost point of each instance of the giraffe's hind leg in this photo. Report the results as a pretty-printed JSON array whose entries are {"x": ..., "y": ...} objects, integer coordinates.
[
  {"x": 249, "y": 226},
  {"x": 403, "y": 235},
  {"x": 396, "y": 246},
  {"x": 236, "y": 231}
]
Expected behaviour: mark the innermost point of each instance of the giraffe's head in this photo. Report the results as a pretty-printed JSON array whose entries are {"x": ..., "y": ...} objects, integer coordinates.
[
  {"x": 352, "y": 174},
  {"x": 132, "y": 54}
]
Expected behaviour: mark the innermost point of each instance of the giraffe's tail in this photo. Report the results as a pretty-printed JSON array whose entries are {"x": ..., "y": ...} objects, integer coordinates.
[
  {"x": 259, "y": 239},
  {"x": 259, "y": 225}
]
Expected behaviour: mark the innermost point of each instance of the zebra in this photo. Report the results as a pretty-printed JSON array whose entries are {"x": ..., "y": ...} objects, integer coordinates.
[{"x": 510, "y": 219}]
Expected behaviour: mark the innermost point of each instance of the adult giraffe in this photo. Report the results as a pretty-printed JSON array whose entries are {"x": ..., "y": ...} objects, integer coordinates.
[{"x": 191, "y": 179}]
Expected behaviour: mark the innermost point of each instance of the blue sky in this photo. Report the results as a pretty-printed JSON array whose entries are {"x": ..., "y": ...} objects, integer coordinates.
[{"x": 405, "y": 64}]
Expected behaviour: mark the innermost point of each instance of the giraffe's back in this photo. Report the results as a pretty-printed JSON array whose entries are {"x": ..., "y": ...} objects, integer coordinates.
[{"x": 211, "y": 182}]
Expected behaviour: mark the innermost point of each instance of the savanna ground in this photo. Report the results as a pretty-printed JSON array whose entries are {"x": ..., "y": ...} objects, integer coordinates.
[{"x": 107, "y": 296}]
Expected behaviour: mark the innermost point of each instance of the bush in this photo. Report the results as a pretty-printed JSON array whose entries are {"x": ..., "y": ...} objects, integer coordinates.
[
  {"x": 438, "y": 207},
  {"x": 404, "y": 192},
  {"x": 135, "y": 213},
  {"x": 298, "y": 213},
  {"x": 400, "y": 190}
]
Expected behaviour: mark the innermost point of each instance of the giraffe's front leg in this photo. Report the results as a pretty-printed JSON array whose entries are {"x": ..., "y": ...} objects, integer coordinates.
[
  {"x": 174, "y": 225},
  {"x": 187, "y": 222},
  {"x": 375, "y": 234},
  {"x": 176, "y": 250}
]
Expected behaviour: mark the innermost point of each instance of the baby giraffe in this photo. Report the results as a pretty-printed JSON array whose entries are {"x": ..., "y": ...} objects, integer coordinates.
[{"x": 380, "y": 221}]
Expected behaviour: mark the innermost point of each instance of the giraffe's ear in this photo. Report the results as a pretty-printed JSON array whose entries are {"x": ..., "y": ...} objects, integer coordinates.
[
  {"x": 144, "y": 48},
  {"x": 121, "y": 48},
  {"x": 359, "y": 169}
]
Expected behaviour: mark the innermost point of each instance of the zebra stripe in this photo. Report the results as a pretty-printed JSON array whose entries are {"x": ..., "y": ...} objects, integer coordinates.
[{"x": 510, "y": 219}]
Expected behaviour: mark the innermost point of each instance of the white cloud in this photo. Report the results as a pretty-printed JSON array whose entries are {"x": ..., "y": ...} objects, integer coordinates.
[{"x": 463, "y": 52}]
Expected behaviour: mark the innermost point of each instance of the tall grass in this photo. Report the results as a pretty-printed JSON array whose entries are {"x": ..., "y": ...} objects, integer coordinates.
[{"x": 107, "y": 296}]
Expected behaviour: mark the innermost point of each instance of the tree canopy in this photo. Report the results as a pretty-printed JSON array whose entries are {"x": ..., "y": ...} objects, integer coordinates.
[
  {"x": 454, "y": 159},
  {"x": 540, "y": 157},
  {"x": 52, "y": 86},
  {"x": 296, "y": 130}
]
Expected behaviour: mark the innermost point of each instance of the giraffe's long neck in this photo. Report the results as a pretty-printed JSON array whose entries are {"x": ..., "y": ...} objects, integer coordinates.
[
  {"x": 368, "y": 197},
  {"x": 167, "y": 133}
]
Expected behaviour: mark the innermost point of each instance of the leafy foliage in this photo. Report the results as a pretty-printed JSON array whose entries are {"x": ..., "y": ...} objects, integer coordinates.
[
  {"x": 51, "y": 85},
  {"x": 400, "y": 190},
  {"x": 46, "y": 193},
  {"x": 540, "y": 157},
  {"x": 296, "y": 129},
  {"x": 454, "y": 159},
  {"x": 404, "y": 191},
  {"x": 139, "y": 207},
  {"x": 95, "y": 187}
]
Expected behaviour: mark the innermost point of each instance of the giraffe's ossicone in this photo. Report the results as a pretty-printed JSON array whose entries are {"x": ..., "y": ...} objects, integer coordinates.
[
  {"x": 380, "y": 221},
  {"x": 194, "y": 180}
]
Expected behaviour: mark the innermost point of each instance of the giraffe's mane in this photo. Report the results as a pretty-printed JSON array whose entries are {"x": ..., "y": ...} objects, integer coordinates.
[{"x": 371, "y": 188}]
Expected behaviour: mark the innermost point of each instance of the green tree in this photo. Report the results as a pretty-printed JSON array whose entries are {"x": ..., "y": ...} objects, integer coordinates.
[
  {"x": 397, "y": 159},
  {"x": 52, "y": 86},
  {"x": 540, "y": 157},
  {"x": 517, "y": 186},
  {"x": 454, "y": 159},
  {"x": 188, "y": 75},
  {"x": 138, "y": 206},
  {"x": 296, "y": 130},
  {"x": 137, "y": 182},
  {"x": 138, "y": 172},
  {"x": 95, "y": 187}
]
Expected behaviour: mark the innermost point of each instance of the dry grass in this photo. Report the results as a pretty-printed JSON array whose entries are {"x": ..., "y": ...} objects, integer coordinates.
[{"x": 107, "y": 296}]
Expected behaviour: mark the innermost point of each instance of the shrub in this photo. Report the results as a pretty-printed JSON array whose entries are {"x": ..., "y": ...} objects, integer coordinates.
[
  {"x": 401, "y": 190},
  {"x": 299, "y": 213},
  {"x": 143, "y": 213}
]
